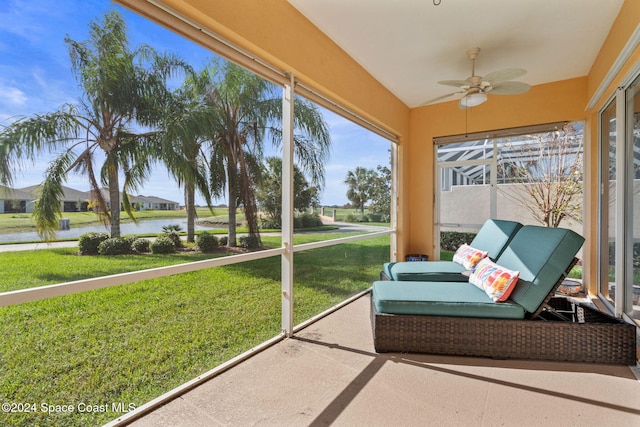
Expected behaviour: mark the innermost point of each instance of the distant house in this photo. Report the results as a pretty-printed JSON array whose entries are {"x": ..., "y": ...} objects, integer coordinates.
[
  {"x": 15, "y": 201},
  {"x": 144, "y": 203},
  {"x": 23, "y": 200},
  {"x": 73, "y": 200}
]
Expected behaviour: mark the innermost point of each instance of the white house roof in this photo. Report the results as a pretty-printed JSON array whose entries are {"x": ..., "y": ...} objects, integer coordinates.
[{"x": 7, "y": 193}]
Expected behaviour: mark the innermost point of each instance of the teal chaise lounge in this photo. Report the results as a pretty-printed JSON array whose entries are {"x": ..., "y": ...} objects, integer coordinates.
[
  {"x": 461, "y": 319},
  {"x": 493, "y": 237}
]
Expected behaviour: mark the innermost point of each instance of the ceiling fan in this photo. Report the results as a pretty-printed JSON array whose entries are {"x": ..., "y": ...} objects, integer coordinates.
[{"x": 475, "y": 88}]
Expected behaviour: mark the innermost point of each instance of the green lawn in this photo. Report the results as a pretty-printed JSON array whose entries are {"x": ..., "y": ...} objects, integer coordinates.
[
  {"x": 50, "y": 266},
  {"x": 133, "y": 342}
]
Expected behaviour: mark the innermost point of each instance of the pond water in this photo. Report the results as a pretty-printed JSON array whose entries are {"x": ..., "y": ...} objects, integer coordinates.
[{"x": 142, "y": 227}]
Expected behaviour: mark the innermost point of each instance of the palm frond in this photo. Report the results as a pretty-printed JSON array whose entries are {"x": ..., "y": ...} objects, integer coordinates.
[
  {"x": 25, "y": 138},
  {"x": 47, "y": 208},
  {"x": 217, "y": 175}
]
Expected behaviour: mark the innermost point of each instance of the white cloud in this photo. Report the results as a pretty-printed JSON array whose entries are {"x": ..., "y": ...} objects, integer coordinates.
[
  {"x": 18, "y": 18},
  {"x": 12, "y": 95},
  {"x": 55, "y": 90}
]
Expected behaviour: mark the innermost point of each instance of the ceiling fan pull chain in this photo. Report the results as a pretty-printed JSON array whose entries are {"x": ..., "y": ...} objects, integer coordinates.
[{"x": 466, "y": 123}]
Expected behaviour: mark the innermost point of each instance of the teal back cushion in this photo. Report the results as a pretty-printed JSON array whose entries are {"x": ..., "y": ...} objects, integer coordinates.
[
  {"x": 494, "y": 236},
  {"x": 541, "y": 255}
]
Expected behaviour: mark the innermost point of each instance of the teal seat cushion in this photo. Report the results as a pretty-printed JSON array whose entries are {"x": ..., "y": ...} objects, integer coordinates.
[
  {"x": 541, "y": 255},
  {"x": 440, "y": 299},
  {"x": 494, "y": 236},
  {"x": 430, "y": 271}
]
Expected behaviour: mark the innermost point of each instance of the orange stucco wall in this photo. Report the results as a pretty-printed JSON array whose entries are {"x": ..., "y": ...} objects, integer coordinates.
[{"x": 621, "y": 30}]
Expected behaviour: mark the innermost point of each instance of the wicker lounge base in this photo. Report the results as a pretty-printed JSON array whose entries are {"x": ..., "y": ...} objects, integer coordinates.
[{"x": 588, "y": 336}]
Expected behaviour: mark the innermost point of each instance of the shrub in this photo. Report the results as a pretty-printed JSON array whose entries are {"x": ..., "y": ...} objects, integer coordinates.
[
  {"x": 224, "y": 240},
  {"x": 375, "y": 217},
  {"x": 207, "y": 242},
  {"x": 141, "y": 245},
  {"x": 310, "y": 220},
  {"x": 451, "y": 240},
  {"x": 177, "y": 242},
  {"x": 115, "y": 246},
  {"x": 249, "y": 242},
  {"x": 163, "y": 245},
  {"x": 356, "y": 218},
  {"x": 270, "y": 223},
  {"x": 130, "y": 239},
  {"x": 173, "y": 228},
  {"x": 351, "y": 218},
  {"x": 305, "y": 220},
  {"x": 88, "y": 242},
  {"x": 636, "y": 254}
]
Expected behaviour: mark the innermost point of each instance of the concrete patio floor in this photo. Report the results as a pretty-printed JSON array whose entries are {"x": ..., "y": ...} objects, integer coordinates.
[{"x": 329, "y": 374}]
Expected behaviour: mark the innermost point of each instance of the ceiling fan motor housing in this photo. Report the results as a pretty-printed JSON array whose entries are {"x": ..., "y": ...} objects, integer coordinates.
[{"x": 498, "y": 82}]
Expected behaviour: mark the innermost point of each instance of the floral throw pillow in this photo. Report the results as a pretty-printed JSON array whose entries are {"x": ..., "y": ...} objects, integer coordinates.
[
  {"x": 468, "y": 257},
  {"x": 496, "y": 281}
]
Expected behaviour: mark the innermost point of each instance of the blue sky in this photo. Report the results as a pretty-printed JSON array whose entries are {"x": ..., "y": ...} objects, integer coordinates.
[{"x": 35, "y": 77}]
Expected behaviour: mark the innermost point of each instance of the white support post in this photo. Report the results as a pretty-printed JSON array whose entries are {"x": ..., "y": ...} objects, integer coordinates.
[
  {"x": 287, "y": 207},
  {"x": 438, "y": 178},
  {"x": 620, "y": 204},
  {"x": 394, "y": 201},
  {"x": 493, "y": 181}
]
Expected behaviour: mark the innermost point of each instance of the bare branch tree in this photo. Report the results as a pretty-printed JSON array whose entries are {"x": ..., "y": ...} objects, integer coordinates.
[{"x": 549, "y": 169}]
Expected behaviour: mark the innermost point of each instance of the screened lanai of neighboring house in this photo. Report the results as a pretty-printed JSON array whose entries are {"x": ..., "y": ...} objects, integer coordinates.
[{"x": 511, "y": 154}]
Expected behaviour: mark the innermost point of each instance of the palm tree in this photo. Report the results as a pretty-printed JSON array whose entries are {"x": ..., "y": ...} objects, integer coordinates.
[
  {"x": 246, "y": 109},
  {"x": 185, "y": 147},
  {"x": 360, "y": 184},
  {"x": 238, "y": 132},
  {"x": 115, "y": 122},
  {"x": 269, "y": 192}
]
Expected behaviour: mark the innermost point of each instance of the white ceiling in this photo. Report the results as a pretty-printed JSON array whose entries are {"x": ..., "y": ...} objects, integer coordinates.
[{"x": 409, "y": 45}]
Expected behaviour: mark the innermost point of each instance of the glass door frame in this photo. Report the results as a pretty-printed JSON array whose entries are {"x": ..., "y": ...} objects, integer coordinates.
[{"x": 622, "y": 305}]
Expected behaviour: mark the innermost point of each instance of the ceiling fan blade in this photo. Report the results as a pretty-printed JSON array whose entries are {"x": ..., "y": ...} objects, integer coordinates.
[
  {"x": 509, "y": 88},
  {"x": 443, "y": 97},
  {"x": 456, "y": 83},
  {"x": 503, "y": 75}
]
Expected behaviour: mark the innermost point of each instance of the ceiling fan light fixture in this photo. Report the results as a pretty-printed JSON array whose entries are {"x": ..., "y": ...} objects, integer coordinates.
[
  {"x": 474, "y": 99},
  {"x": 474, "y": 88}
]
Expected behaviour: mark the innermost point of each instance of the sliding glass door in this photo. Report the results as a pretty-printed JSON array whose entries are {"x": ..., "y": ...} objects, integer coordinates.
[
  {"x": 619, "y": 206},
  {"x": 608, "y": 147},
  {"x": 632, "y": 247}
]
